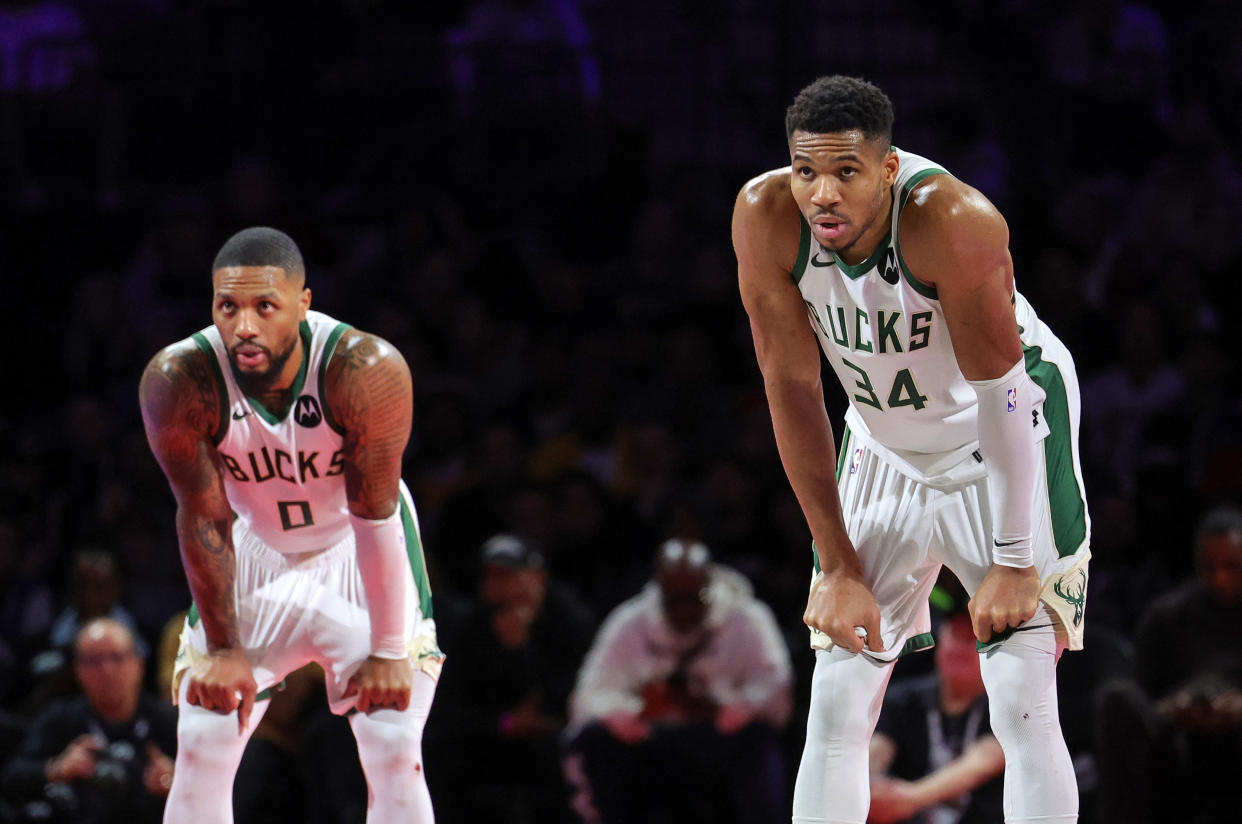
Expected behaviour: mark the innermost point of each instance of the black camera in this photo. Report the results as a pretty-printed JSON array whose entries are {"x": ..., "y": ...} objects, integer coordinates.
[{"x": 116, "y": 769}]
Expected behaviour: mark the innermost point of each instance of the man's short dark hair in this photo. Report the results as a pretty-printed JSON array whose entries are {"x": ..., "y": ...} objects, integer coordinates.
[
  {"x": 840, "y": 104},
  {"x": 261, "y": 246}
]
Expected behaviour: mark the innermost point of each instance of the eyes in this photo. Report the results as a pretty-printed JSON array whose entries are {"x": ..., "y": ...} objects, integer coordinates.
[
  {"x": 844, "y": 172},
  {"x": 228, "y": 307}
]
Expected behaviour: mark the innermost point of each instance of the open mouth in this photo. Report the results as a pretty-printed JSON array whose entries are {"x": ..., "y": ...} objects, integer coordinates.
[
  {"x": 828, "y": 229},
  {"x": 249, "y": 357}
]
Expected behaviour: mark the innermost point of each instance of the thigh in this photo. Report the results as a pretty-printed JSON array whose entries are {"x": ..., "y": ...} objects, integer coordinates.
[
  {"x": 963, "y": 541},
  {"x": 888, "y": 517}
]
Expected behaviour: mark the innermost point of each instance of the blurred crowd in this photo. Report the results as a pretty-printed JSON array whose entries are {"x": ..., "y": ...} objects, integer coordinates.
[{"x": 531, "y": 199}]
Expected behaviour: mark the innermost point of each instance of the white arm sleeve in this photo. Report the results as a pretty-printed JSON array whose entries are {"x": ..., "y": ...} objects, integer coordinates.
[
  {"x": 385, "y": 567},
  {"x": 1007, "y": 442}
]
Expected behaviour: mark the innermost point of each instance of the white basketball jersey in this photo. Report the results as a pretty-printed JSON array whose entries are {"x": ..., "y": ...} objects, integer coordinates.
[
  {"x": 885, "y": 336},
  {"x": 284, "y": 476}
]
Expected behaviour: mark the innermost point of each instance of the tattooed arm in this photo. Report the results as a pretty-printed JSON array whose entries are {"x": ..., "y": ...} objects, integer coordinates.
[
  {"x": 181, "y": 410},
  {"x": 368, "y": 390}
]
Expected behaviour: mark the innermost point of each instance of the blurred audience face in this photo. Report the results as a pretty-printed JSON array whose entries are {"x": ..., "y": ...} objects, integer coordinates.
[
  {"x": 96, "y": 584},
  {"x": 1220, "y": 567},
  {"x": 957, "y": 658},
  {"x": 503, "y": 586},
  {"x": 683, "y": 573},
  {"x": 108, "y": 668}
]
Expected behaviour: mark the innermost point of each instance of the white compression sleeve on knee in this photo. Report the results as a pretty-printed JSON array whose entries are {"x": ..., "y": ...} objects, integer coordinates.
[
  {"x": 1007, "y": 441},
  {"x": 384, "y": 566},
  {"x": 1021, "y": 679}
]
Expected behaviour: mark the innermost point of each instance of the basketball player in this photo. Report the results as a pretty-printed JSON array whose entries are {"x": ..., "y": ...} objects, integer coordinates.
[
  {"x": 281, "y": 432},
  {"x": 960, "y": 444}
]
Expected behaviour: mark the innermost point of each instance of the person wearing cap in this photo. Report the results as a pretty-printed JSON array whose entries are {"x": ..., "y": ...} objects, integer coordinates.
[
  {"x": 502, "y": 706},
  {"x": 679, "y": 705}
]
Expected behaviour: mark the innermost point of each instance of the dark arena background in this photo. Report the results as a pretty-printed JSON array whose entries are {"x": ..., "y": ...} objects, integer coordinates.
[{"x": 531, "y": 199}]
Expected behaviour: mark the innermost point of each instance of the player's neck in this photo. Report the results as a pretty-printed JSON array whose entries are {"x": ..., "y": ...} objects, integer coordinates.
[
  {"x": 871, "y": 238},
  {"x": 279, "y": 394}
]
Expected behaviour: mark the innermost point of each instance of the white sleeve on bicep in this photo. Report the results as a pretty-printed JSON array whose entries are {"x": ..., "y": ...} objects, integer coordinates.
[
  {"x": 384, "y": 566},
  {"x": 1007, "y": 442}
]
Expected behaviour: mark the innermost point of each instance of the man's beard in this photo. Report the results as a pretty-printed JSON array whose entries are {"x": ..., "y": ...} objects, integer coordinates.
[{"x": 254, "y": 384}]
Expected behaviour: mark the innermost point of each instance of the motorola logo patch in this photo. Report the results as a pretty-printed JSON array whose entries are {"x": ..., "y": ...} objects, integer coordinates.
[
  {"x": 888, "y": 268},
  {"x": 306, "y": 412}
]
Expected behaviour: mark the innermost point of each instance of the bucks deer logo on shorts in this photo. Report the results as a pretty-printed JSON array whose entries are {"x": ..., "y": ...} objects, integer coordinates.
[
  {"x": 307, "y": 413},
  {"x": 1074, "y": 593}
]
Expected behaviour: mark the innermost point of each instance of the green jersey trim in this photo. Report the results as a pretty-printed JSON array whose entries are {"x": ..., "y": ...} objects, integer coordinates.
[
  {"x": 295, "y": 392},
  {"x": 923, "y": 289},
  {"x": 804, "y": 250},
  {"x": 418, "y": 562},
  {"x": 1065, "y": 498},
  {"x": 328, "y": 348},
  {"x": 855, "y": 272},
  {"x": 222, "y": 390}
]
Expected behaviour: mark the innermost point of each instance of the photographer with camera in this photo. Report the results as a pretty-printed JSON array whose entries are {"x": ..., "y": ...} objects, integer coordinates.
[{"x": 103, "y": 756}]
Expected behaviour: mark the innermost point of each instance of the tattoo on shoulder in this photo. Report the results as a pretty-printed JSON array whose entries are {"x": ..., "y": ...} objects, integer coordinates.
[
  {"x": 370, "y": 393},
  {"x": 179, "y": 389}
]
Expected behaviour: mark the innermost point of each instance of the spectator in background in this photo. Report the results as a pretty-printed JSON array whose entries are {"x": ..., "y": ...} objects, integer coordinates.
[
  {"x": 678, "y": 708},
  {"x": 94, "y": 592},
  {"x": 1170, "y": 742},
  {"x": 502, "y": 703},
  {"x": 933, "y": 757},
  {"x": 1118, "y": 402},
  {"x": 103, "y": 757}
]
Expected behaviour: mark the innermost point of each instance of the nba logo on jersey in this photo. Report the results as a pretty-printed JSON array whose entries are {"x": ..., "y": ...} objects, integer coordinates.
[
  {"x": 856, "y": 460},
  {"x": 1012, "y": 399}
]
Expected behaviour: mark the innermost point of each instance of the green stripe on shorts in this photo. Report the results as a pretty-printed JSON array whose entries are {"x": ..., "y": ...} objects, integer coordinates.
[
  {"x": 1065, "y": 498},
  {"x": 418, "y": 562}
]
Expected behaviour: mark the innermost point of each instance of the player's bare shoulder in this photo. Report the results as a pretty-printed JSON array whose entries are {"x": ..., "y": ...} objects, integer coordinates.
[
  {"x": 367, "y": 376},
  {"x": 179, "y": 391},
  {"x": 945, "y": 215},
  {"x": 766, "y": 224}
]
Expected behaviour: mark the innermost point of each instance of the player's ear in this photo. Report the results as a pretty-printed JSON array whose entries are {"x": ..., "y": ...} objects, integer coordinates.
[
  {"x": 892, "y": 164},
  {"x": 304, "y": 302}
]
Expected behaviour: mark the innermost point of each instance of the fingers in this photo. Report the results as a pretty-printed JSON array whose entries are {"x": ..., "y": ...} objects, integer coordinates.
[
  {"x": 979, "y": 623},
  {"x": 246, "y": 705},
  {"x": 875, "y": 641}
]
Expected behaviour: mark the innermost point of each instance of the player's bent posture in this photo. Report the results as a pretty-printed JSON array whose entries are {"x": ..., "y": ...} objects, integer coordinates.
[
  {"x": 281, "y": 433},
  {"x": 960, "y": 445}
]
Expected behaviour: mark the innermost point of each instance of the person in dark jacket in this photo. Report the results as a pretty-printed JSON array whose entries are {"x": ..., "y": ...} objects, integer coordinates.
[{"x": 104, "y": 756}]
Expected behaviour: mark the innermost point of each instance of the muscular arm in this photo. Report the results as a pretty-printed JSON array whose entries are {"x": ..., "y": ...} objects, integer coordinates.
[
  {"x": 956, "y": 240},
  {"x": 180, "y": 410},
  {"x": 766, "y": 229},
  {"x": 369, "y": 391},
  {"x": 765, "y": 239}
]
